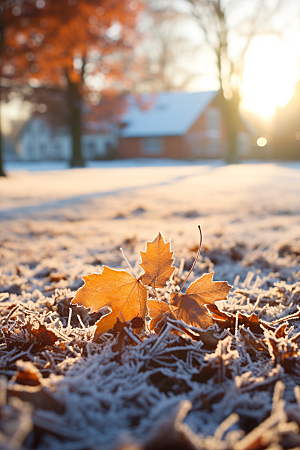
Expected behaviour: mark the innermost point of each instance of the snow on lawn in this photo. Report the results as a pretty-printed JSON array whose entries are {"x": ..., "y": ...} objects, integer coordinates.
[
  {"x": 82, "y": 212},
  {"x": 74, "y": 221}
]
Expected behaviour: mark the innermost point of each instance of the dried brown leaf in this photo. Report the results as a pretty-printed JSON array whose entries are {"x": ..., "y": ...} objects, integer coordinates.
[
  {"x": 44, "y": 335},
  {"x": 124, "y": 333},
  {"x": 190, "y": 307},
  {"x": 217, "y": 314},
  {"x": 135, "y": 323},
  {"x": 253, "y": 346},
  {"x": 281, "y": 331},
  {"x": 280, "y": 348},
  {"x": 27, "y": 374},
  {"x": 229, "y": 320},
  {"x": 157, "y": 263},
  {"x": 159, "y": 312},
  {"x": 208, "y": 338},
  {"x": 56, "y": 277}
]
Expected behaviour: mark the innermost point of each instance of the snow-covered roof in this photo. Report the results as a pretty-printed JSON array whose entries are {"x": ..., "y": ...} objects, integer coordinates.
[{"x": 170, "y": 114}]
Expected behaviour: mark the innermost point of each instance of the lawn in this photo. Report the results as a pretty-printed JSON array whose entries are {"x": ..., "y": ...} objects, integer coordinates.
[{"x": 158, "y": 390}]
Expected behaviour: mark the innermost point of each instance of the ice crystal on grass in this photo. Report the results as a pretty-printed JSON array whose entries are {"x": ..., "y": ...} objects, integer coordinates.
[
  {"x": 174, "y": 388},
  {"x": 169, "y": 388}
]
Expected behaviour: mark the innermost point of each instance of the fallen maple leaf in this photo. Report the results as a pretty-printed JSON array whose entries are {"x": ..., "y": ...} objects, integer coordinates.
[
  {"x": 159, "y": 312},
  {"x": 56, "y": 277},
  {"x": 121, "y": 330},
  {"x": 27, "y": 374},
  {"x": 253, "y": 346},
  {"x": 190, "y": 307},
  {"x": 43, "y": 334},
  {"x": 116, "y": 289},
  {"x": 126, "y": 296},
  {"x": 229, "y": 320},
  {"x": 157, "y": 263}
]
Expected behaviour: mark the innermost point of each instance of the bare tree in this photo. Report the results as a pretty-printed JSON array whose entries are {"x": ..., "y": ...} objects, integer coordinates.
[
  {"x": 229, "y": 27},
  {"x": 166, "y": 52}
]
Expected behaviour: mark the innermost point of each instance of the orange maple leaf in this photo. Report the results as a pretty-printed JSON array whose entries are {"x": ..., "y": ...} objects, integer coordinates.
[
  {"x": 158, "y": 311},
  {"x": 190, "y": 307},
  {"x": 116, "y": 289},
  {"x": 157, "y": 263}
]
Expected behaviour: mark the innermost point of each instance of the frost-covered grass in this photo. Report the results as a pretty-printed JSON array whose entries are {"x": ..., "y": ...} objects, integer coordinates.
[
  {"x": 76, "y": 216},
  {"x": 72, "y": 222}
]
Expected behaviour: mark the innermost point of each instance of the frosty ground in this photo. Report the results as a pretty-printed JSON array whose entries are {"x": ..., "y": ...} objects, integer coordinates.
[
  {"x": 74, "y": 221},
  {"x": 74, "y": 214}
]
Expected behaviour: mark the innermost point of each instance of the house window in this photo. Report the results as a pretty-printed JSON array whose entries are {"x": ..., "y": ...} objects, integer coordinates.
[
  {"x": 213, "y": 119},
  {"x": 152, "y": 146},
  {"x": 56, "y": 151},
  {"x": 243, "y": 142},
  {"x": 92, "y": 149},
  {"x": 213, "y": 147},
  {"x": 197, "y": 149}
]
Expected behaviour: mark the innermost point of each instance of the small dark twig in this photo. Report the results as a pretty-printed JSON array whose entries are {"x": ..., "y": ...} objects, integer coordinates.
[
  {"x": 6, "y": 319},
  {"x": 196, "y": 259}
]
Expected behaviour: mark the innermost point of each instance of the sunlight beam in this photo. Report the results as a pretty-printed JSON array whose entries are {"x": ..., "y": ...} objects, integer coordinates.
[{"x": 270, "y": 74}]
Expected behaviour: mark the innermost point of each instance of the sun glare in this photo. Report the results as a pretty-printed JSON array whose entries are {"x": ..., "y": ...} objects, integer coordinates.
[
  {"x": 261, "y": 142},
  {"x": 270, "y": 74}
]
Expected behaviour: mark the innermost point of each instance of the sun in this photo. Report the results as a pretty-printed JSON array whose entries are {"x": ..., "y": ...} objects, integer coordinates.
[{"x": 271, "y": 71}]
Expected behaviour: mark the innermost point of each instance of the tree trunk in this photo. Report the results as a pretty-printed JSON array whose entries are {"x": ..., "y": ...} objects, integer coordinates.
[
  {"x": 75, "y": 104},
  {"x": 232, "y": 120},
  {"x": 2, "y": 173}
]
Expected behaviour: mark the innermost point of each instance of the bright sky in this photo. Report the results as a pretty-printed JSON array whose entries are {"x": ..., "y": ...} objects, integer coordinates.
[
  {"x": 14, "y": 110},
  {"x": 271, "y": 70},
  {"x": 272, "y": 65}
]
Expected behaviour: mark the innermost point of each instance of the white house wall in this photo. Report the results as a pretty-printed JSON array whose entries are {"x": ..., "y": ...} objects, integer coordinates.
[{"x": 38, "y": 142}]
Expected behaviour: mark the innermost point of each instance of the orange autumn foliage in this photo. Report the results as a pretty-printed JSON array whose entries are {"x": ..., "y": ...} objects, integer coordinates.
[
  {"x": 157, "y": 262},
  {"x": 43, "y": 39},
  {"x": 69, "y": 54},
  {"x": 118, "y": 290},
  {"x": 127, "y": 296},
  {"x": 190, "y": 307}
]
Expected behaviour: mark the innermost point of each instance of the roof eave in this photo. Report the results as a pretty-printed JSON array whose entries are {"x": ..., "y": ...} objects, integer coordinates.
[{"x": 142, "y": 135}]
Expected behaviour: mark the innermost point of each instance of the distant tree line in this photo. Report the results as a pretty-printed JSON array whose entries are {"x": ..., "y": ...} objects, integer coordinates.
[
  {"x": 65, "y": 53},
  {"x": 81, "y": 57}
]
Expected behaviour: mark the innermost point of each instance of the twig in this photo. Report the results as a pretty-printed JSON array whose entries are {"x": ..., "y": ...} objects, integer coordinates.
[
  {"x": 196, "y": 259},
  {"x": 134, "y": 338},
  {"x": 6, "y": 319},
  {"x": 80, "y": 321},
  {"x": 51, "y": 360},
  {"x": 69, "y": 320},
  {"x": 160, "y": 339}
]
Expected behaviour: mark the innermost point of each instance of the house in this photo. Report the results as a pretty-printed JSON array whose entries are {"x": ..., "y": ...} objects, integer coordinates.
[
  {"x": 284, "y": 136},
  {"x": 178, "y": 125},
  {"x": 39, "y": 142},
  {"x": 10, "y": 140},
  {"x": 8, "y": 149}
]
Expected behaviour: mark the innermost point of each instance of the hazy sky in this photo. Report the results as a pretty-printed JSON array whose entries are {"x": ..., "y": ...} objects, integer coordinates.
[
  {"x": 272, "y": 62},
  {"x": 272, "y": 66}
]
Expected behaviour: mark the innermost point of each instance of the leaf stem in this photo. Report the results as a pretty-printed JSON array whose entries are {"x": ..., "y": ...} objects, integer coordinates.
[
  {"x": 196, "y": 259},
  {"x": 128, "y": 263}
]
